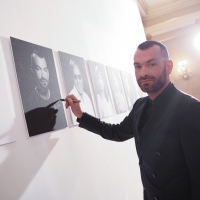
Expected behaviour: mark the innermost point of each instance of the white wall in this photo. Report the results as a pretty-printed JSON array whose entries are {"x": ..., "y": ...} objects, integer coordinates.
[{"x": 70, "y": 164}]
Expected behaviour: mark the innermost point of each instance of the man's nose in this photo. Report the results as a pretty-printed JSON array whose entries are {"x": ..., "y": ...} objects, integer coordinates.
[
  {"x": 43, "y": 73},
  {"x": 144, "y": 71}
]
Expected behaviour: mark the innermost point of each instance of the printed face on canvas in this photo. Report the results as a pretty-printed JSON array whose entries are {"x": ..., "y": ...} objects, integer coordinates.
[
  {"x": 41, "y": 72},
  {"x": 78, "y": 81}
]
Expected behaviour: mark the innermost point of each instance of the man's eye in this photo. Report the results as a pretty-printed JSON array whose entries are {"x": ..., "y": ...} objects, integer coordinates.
[
  {"x": 152, "y": 64},
  {"x": 137, "y": 66}
]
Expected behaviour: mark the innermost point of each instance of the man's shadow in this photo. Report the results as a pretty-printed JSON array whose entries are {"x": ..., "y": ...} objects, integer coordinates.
[{"x": 41, "y": 120}]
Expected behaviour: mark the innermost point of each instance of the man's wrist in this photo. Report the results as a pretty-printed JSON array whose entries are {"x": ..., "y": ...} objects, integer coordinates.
[
  {"x": 79, "y": 118},
  {"x": 80, "y": 115}
]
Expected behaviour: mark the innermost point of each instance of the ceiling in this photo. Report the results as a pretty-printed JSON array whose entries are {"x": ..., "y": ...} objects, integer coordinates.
[{"x": 167, "y": 19}]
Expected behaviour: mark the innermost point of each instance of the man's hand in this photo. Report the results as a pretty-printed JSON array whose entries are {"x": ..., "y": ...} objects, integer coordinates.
[{"x": 75, "y": 107}]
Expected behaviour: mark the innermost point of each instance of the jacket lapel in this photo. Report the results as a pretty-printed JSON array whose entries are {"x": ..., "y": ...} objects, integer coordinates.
[
  {"x": 158, "y": 117},
  {"x": 139, "y": 113},
  {"x": 152, "y": 125}
]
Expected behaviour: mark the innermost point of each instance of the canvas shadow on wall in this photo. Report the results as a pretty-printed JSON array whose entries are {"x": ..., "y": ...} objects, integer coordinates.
[
  {"x": 39, "y": 88},
  {"x": 100, "y": 89},
  {"x": 76, "y": 82}
]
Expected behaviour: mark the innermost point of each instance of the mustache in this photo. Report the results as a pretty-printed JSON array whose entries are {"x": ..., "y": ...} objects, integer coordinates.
[
  {"x": 146, "y": 78},
  {"x": 43, "y": 79}
]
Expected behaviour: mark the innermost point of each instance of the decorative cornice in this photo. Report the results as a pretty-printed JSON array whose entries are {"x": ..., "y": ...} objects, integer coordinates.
[
  {"x": 173, "y": 23},
  {"x": 162, "y": 9},
  {"x": 176, "y": 33},
  {"x": 164, "y": 21},
  {"x": 143, "y": 8}
]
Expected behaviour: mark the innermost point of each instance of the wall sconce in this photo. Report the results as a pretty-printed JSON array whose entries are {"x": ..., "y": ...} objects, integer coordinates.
[{"x": 183, "y": 70}]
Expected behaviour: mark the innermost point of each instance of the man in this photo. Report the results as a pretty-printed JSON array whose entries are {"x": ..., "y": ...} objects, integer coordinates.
[
  {"x": 77, "y": 90},
  {"x": 165, "y": 125},
  {"x": 41, "y": 74},
  {"x": 41, "y": 94},
  {"x": 42, "y": 112}
]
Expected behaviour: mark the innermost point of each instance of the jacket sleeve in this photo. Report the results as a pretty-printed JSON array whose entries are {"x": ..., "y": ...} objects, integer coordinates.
[
  {"x": 115, "y": 132},
  {"x": 190, "y": 139}
]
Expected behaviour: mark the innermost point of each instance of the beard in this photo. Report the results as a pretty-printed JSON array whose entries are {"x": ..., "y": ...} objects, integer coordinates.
[
  {"x": 159, "y": 82},
  {"x": 44, "y": 82},
  {"x": 42, "y": 86}
]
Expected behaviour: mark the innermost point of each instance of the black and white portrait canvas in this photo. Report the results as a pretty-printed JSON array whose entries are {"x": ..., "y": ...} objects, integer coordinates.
[
  {"x": 101, "y": 89},
  {"x": 128, "y": 88},
  {"x": 117, "y": 90},
  {"x": 38, "y": 84},
  {"x": 136, "y": 89},
  {"x": 76, "y": 82}
]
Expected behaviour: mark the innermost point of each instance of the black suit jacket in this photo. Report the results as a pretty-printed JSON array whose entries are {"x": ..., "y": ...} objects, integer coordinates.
[{"x": 168, "y": 146}]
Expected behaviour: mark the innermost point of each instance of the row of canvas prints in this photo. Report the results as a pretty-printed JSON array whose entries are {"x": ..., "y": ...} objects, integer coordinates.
[{"x": 38, "y": 84}]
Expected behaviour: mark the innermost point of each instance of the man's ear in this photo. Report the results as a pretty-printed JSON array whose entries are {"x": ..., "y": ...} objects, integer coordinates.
[{"x": 169, "y": 66}]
